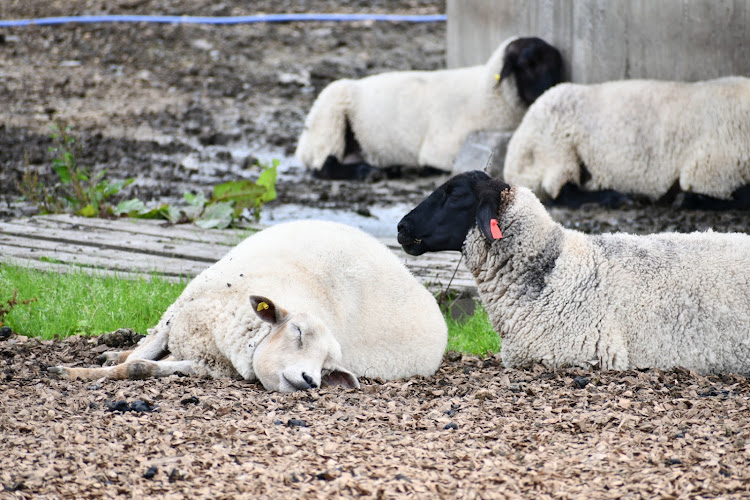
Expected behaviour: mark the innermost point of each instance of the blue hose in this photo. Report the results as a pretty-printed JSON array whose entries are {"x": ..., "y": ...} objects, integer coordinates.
[{"x": 260, "y": 18}]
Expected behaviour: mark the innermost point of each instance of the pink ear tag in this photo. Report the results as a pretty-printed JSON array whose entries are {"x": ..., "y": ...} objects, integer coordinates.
[{"x": 495, "y": 230}]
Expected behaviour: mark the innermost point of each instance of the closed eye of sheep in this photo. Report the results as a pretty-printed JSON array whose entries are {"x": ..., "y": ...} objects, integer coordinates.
[
  {"x": 561, "y": 297},
  {"x": 421, "y": 118},
  {"x": 296, "y": 306},
  {"x": 580, "y": 143}
]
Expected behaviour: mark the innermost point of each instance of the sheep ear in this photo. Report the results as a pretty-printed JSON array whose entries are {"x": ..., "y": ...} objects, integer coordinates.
[
  {"x": 267, "y": 310},
  {"x": 486, "y": 218},
  {"x": 509, "y": 65},
  {"x": 339, "y": 376}
]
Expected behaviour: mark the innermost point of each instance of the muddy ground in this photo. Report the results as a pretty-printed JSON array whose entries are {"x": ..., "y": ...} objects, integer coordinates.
[{"x": 182, "y": 108}]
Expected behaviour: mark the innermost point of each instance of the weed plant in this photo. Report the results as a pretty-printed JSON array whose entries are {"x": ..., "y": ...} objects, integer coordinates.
[{"x": 81, "y": 192}]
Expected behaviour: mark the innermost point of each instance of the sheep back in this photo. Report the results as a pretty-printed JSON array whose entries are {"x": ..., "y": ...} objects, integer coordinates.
[{"x": 635, "y": 136}]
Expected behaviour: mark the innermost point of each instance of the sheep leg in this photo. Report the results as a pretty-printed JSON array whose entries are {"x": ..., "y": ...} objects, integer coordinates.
[
  {"x": 333, "y": 169},
  {"x": 112, "y": 358},
  {"x": 132, "y": 369},
  {"x": 573, "y": 196}
]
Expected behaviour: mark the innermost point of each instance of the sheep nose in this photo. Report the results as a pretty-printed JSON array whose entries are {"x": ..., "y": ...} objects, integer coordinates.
[
  {"x": 402, "y": 226},
  {"x": 309, "y": 380}
]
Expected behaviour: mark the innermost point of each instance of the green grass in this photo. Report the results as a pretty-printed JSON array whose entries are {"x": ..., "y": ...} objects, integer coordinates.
[
  {"x": 472, "y": 334},
  {"x": 78, "y": 303}
]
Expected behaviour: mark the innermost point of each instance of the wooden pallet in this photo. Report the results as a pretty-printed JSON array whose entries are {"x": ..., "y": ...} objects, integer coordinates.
[{"x": 136, "y": 247}]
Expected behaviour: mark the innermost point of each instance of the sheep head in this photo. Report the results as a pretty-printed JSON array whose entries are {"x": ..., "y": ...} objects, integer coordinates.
[
  {"x": 535, "y": 64},
  {"x": 300, "y": 353},
  {"x": 444, "y": 218}
]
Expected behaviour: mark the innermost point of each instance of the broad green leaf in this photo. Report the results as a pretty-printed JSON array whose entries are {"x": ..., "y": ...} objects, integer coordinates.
[
  {"x": 191, "y": 212},
  {"x": 131, "y": 207},
  {"x": 267, "y": 179},
  {"x": 216, "y": 216},
  {"x": 62, "y": 172},
  {"x": 198, "y": 200},
  {"x": 172, "y": 214},
  {"x": 237, "y": 190},
  {"x": 155, "y": 213}
]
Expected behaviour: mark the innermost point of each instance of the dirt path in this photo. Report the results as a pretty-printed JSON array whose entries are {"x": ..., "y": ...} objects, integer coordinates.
[
  {"x": 473, "y": 430},
  {"x": 185, "y": 107}
]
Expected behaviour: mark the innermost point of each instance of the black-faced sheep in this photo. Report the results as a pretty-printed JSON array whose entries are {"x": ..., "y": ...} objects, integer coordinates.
[
  {"x": 561, "y": 297},
  {"x": 636, "y": 137},
  {"x": 296, "y": 305},
  {"x": 421, "y": 118}
]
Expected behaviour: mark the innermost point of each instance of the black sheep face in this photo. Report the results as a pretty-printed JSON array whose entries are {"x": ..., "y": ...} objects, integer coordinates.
[
  {"x": 536, "y": 65},
  {"x": 444, "y": 218}
]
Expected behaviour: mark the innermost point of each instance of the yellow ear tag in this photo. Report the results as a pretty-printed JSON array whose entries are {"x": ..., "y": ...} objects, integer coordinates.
[
  {"x": 497, "y": 77},
  {"x": 261, "y": 306}
]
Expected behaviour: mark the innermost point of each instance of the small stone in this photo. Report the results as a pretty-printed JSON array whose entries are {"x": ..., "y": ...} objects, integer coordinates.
[
  {"x": 150, "y": 472},
  {"x": 452, "y": 425},
  {"x": 5, "y": 332},
  {"x": 453, "y": 356},
  {"x": 175, "y": 475},
  {"x": 141, "y": 406},
  {"x": 580, "y": 382},
  {"x": 293, "y": 422},
  {"x": 192, "y": 400},
  {"x": 121, "y": 406},
  {"x": 325, "y": 476}
]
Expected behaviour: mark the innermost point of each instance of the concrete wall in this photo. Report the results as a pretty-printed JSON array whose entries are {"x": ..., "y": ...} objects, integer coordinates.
[{"x": 612, "y": 39}]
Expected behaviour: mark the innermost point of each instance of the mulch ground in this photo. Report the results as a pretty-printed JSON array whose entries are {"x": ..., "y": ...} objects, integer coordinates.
[{"x": 475, "y": 429}]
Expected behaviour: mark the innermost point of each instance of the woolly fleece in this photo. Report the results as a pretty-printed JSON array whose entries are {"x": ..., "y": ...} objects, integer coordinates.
[
  {"x": 561, "y": 297},
  {"x": 636, "y": 136},
  {"x": 410, "y": 117},
  {"x": 388, "y": 324}
]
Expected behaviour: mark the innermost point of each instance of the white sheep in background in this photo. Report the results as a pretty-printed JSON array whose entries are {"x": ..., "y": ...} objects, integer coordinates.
[
  {"x": 421, "y": 118},
  {"x": 296, "y": 305},
  {"x": 638, "y": 137},
  {"x": 561, "y": 297}
]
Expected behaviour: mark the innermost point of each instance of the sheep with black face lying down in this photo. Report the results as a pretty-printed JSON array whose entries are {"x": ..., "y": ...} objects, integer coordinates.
[
  {"x": 637, "y": 137},
  {"x": 296, "y": 305},
  {"x": 421, "y": 118},
  {"x": 561, "y": 297}
]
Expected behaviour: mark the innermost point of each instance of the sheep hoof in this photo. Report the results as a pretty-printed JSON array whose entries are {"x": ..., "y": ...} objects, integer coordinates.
[
  {"x": 60, "y": 371},
  {"x": 107, "y": 358}
]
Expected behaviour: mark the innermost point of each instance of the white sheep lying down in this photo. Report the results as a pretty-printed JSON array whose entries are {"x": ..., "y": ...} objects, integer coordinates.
[
  {"x": 636, "y": 136},
  {"x": 421, "y": 118},
  {"x": 561, "y": 297},
  {"x": 296, "y": 305}
]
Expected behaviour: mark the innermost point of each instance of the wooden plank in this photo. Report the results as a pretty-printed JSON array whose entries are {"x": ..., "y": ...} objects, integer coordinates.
[
  {"x": 164, "y": 245},
  {"x": 106, "y": 258},
  {"x": 130, "y": 248},
  {"x": 100, "y": 272},
  {"x": 158, "y": 228}
]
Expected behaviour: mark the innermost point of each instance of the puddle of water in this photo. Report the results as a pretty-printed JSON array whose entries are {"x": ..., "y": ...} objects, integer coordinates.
[
  {"x": 381, "y": 224},
  {"x": 206, "y": 167}
]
